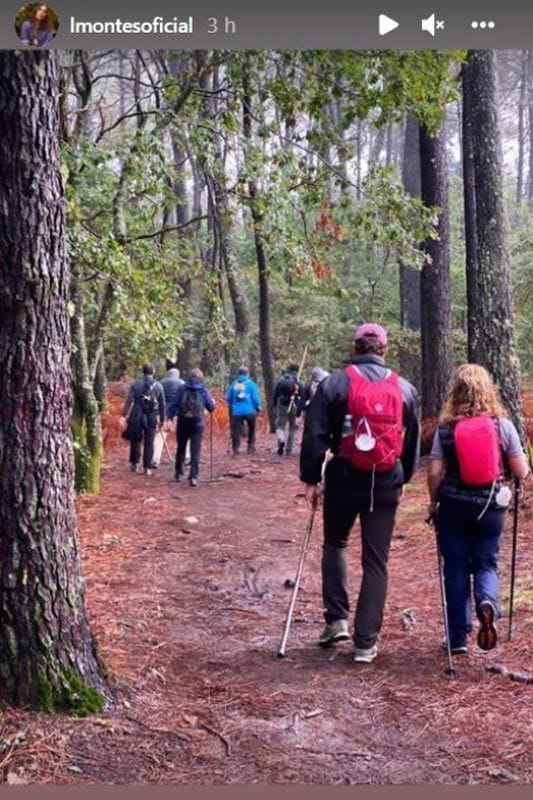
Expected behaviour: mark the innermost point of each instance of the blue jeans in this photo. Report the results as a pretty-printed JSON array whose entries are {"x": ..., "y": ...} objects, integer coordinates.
[{"x": 469, "y": 547}]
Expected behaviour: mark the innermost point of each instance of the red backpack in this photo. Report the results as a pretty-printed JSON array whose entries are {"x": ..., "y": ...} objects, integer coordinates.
[
  {"x": 477, "y": 446},
  {"x": 376, "y": 408}
]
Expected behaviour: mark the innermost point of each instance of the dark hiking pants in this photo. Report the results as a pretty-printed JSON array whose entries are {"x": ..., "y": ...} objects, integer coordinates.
[
  {"x": 236, "y": 430},
  {"x": 343, "y": 503},
  {"x": 146, "y": 444},
  {"x": 189, "y": 430},
  {"x": 470, "y": 550}
]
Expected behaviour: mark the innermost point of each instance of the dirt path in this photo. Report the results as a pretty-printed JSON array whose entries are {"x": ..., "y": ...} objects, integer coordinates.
[{"x": 186, "y": 595}]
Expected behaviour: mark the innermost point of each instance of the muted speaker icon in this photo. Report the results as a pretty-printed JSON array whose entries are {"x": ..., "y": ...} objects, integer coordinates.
[{"x": 430, "y": 25}]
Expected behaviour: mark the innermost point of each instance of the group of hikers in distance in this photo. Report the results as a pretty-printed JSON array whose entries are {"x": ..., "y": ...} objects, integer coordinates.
[{"x": 360, "y": 445}]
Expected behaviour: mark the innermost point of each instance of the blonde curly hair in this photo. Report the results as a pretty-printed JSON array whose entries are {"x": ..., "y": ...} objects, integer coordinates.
[{"x": 471, "y": 393}]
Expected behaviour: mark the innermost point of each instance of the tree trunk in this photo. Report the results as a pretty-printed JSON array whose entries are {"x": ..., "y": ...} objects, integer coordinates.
[
  {"x": 469, "y": 194},
  {"x": 86, "y": 426},
  {"x": 530, "y": 120},
  {"x": 493, "y": 317},
  {"x": 410, "y": 275},
  {"x": 435, "y": 277},
  {"x": 216, "y": 180},
  {"x": 47, "y": 652},
  {"x": 522, "y": 102},
  {"x": 265, "y": 336}
]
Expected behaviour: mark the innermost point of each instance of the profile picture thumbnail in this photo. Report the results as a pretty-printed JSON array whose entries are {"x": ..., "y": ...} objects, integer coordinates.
[{"x": 36, "y": 24}]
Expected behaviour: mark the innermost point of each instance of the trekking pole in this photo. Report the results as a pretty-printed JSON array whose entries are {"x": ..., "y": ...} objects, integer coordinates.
[
  {"x": 307, "y": 536},
  {"x": 165, "y": 443},
  {"x": 513, "y": 555},
  {"x": 211, "y": 448},
  {"x": 450, "y": 668}
]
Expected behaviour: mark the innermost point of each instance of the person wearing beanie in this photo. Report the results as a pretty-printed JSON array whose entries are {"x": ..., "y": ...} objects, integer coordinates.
[{"x": 368, "y": 417}]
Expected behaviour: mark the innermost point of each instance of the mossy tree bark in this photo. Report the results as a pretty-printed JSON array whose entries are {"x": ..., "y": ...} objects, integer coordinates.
[
  {"x": 492, "y": 317},
  {"x": 435, "y": 277},
  {"x": 47, "y": 652}
]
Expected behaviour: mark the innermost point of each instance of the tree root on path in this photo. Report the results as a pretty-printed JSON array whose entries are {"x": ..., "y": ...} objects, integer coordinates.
[{"x": 522, "y": 677}]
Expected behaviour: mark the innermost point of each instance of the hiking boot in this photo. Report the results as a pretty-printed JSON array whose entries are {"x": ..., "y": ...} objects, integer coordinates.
[
  {"x": 133, "y": 467},
  {"x": 148, "y": 472},
  {"x": 281, "y": 448},
  {"x": 365, "y": 655},
  {"x": 455, "y": 650},
  {"x": 336, "y": 631},
  {"x": 487, "y": 636},
  {"x": 193, "y": 481}
]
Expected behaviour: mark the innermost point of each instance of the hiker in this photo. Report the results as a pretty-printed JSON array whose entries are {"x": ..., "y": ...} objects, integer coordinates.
[
  {"x": 244, "y": 404},
  {"x": 170, "y": 383},
  {"x": 473, "y": 446},
  {"x": 317, "y": 376},
  {"x": 190, "y": 402},
  {"x": 286, "y": 402},
  {"x": 143, "y": 413},
  {"x": 368, "y": 417}
]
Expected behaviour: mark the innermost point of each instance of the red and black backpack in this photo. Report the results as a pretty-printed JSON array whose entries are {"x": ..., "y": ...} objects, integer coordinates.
[{"x": 376, "y": 408}]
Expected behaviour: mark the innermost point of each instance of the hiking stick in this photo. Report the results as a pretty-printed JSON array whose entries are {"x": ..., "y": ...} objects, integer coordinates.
[
  {"x": 211, "y": 448},
  {"x": 165, "y": 443},
  {"x": 513, "y": 555},
  {"x": 431, "y": 520},
  {"x": 307, "y": 536},
  {"x": 300, "y": 370}
]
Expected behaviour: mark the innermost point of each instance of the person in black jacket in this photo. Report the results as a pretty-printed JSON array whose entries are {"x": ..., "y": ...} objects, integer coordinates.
[
  {"x": 143, "y": 412},
  {"x": 373, "y": 495}
]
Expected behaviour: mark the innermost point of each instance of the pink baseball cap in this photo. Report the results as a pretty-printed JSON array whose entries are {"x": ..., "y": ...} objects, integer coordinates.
[{"x": 371, "y": 329}]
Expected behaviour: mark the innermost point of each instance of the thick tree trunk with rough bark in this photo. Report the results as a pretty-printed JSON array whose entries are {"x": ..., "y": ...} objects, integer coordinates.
[
  {"x": 47, "y": 652},
  {"x": 492, "y": 317},
  {"x": 435, "y": 277},
  {"x": 410, "y": 275},
  {"x": 265, "y": 335}
]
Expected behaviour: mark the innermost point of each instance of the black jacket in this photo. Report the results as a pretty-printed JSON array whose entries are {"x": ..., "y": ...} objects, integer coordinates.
[{"x": 325, "y": 415}]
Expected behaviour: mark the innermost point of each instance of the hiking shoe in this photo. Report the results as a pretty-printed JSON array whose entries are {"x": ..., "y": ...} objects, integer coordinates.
[
  {"x": 458, "y": 650},
  {"x": 487, "y": 636},
  {"x": 133, "y": 467},
  {"x": 193, "y": 482},
  {"x": 336, "y": 631},
  {"x": 281, "y": 448},
  {"x": 365, "y": 655},
  {"x": 148, "y": 472},
  {"x": 178, "y": 477}
]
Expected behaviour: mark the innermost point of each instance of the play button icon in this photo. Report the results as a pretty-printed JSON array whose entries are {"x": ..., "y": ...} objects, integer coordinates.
[{"x": 386, "y": 24}]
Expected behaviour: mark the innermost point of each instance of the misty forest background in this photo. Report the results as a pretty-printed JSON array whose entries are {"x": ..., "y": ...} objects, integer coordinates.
[
  {"x": 225, "y": 207},
  {"x": 238, "y": 206}
]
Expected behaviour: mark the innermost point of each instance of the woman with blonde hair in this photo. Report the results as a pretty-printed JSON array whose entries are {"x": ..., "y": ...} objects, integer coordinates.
[{"x": 468, "y": 495}]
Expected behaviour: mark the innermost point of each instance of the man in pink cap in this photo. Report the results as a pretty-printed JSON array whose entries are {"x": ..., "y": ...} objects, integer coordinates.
[{"x": 368, "y": 416}]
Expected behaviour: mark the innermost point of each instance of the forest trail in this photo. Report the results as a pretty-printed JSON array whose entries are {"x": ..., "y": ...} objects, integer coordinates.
[{"x": 186, "y": 595}]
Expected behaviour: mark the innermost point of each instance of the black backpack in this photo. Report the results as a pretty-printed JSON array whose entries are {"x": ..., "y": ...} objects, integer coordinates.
[
  {"x": 288, "y": 389},
  {"x": 148, "y": 398},
  {"x": 191, "y": 404}
]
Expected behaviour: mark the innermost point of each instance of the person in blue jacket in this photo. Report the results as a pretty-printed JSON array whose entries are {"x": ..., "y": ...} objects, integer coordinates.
[
  {"x": 244, "y": 404},
  {"x": 189, "y": 404}
]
